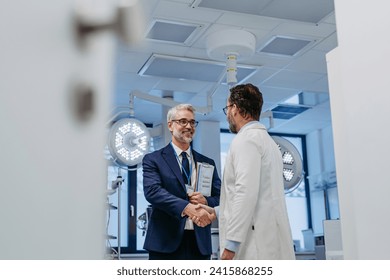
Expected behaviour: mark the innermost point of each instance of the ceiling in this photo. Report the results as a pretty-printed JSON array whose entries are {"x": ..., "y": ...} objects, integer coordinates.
[{"x": 288, "y": 64}]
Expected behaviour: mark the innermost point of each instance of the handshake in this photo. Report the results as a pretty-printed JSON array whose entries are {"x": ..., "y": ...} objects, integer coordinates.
[{"x": 202, "y": 215}]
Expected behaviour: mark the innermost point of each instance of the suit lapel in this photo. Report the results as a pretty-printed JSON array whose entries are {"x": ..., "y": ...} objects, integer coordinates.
[{"x": 169, "y": 156}]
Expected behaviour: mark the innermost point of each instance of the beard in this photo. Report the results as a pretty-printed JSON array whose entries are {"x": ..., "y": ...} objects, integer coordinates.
[
  {"x": 232, "y": 125},
  {"x": 183, "y": 136}
]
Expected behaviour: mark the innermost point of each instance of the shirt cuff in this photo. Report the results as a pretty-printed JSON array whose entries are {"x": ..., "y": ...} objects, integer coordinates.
[
  {"x": 232, "y": 245},
  {"x": 216, "y": 209}
]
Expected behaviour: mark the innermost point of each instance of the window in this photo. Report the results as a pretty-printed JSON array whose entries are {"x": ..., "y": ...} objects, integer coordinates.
[
  {"x": 131, "y": 212},
  {"x": 298, "y": 200}
]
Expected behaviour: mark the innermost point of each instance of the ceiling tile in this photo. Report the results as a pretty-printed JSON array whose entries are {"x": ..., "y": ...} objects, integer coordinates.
[
  {"x": 292, "y": 79},
  {"x": 299, "y": 10},
  {"x": 189, "y": 69},
  {"x": 311, "y": 61}
]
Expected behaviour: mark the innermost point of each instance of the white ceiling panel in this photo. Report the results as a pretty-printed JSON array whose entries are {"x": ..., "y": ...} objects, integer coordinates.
[
  {"x": 315, "y": 113},
  {"x": 292, "y": 79},
  {"x": 277, "y": 95},
  {"x": 319, "y": 86},
  {"x": 314, "y": 31},
  {"x": 261, "y": 75},
  {"x": 249, "y": 21},
  {"x": 130, "y": 62},
  {"x": 183, "y": 11},
  {"x": 311, "y": 61},
  {"x": 242, "y": 6},
  {"x": 299, "y": 10},
  {"x": 187, "y": 86},
  {"x": 327, "y": 44},
  {"x": 279, "y": 77},
  {"x": 294, "y": 126}
]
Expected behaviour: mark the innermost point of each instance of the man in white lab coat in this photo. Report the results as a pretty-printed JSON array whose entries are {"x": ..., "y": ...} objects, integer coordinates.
[{"x": 253, "y": 220}]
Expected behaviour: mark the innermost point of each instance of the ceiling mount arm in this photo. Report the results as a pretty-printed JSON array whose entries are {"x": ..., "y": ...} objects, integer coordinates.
[
  {"x": 270, "y": 116},
  {"x": 165, "y": 102}
]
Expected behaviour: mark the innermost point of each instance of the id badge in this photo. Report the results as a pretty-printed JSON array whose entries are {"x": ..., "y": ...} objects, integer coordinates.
[{"x": 189, "y": 189}]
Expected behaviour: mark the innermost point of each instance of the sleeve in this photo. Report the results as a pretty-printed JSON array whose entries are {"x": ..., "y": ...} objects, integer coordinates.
[
  {"x": 232, "y": 245},
  {"x": 155, "y": 192},
  {"x": 247, "y": 160}
]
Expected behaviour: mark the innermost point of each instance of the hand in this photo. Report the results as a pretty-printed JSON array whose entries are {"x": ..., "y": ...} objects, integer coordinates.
[
  {"x": 227, "y": 255},
  {"x": 210, "y": 212},
  {"x": 197, "y": 198},
  {"x": 199, "y": 216},
  {"x": 209, "y": 209}
]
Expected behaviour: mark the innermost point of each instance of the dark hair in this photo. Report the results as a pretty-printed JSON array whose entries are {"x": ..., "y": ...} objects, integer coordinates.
[{"x": 248, "y": 99}]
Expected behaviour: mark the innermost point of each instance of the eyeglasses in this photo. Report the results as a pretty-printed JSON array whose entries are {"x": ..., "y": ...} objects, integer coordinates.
[
  {"x": 225, "y": 109},
  {"x": 184, "y": 122}
]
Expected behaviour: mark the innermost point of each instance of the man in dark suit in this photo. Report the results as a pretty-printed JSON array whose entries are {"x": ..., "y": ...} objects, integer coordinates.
[{"x": 169, "y": 178}]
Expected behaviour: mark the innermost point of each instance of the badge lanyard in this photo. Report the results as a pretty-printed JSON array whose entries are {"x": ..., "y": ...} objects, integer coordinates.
[{"x": 181, "y": 166}]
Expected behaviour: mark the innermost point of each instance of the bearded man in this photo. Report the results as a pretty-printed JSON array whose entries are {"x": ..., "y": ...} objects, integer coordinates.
[{"x": 177, "y": 230}]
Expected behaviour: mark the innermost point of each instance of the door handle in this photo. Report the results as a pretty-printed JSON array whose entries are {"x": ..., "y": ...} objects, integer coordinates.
[{"x": 127, "y": 22}]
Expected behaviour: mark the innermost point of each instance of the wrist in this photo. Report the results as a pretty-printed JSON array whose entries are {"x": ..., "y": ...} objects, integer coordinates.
[{"x": 185, "y": 210}]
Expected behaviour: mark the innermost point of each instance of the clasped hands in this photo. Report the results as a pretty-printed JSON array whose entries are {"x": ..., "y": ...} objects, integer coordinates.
[{"x": 201, "y": 214}]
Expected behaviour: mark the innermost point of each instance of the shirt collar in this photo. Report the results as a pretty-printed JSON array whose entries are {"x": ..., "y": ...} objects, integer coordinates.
[{"x": 179, "y": 151}]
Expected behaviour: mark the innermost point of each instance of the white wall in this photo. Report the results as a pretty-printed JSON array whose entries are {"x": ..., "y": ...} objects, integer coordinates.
[
  {"x": 359, "y": 92},
  {"x": 53, "y": 172}
]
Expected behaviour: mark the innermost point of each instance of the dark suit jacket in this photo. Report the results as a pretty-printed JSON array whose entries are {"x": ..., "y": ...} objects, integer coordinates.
[{"x": 164, "y": 189}]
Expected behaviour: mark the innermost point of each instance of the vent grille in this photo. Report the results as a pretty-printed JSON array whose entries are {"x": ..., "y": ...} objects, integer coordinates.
[
  {"x": 287, "y": 112},
  {"x": 174, "y": 32},
  {"x": 285, "y": 46}
]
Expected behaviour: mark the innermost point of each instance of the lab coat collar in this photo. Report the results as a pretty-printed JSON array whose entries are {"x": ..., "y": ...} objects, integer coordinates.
[{"x": 252, "y": 124}]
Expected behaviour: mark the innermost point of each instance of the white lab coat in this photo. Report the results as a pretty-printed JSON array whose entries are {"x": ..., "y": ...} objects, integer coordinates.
[{"x": 252, "y": 206}]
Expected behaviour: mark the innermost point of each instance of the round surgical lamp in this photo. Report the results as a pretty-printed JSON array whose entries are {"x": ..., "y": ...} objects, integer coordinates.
[
  {"x": 292, "y": 164},
  {"x": 128, "y": 142}
]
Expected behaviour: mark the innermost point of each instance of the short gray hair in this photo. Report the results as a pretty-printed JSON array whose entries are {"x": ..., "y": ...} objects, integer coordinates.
[{"x": 173, "y": 111}]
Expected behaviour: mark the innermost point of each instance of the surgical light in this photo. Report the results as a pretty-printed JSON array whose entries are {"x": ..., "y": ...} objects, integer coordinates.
[
  {"x": 128, "y": 141},
  {"x": 287, "y": 158},
  {"x": 292, "y": 164},
  {"x": 288, "y": 174}
]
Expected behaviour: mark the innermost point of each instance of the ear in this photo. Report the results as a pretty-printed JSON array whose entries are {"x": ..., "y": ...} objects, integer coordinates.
[
  {"x": 234, "y": 109},
  {"x": 170, "y": 126}
]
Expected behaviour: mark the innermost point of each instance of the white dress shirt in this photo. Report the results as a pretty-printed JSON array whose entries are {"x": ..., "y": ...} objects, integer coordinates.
[{"x": 189, "y": 224}]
